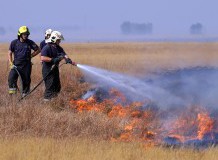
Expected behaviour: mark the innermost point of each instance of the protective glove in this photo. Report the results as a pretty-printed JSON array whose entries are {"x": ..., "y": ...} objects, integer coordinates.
[
  {"x": 68, "y": 61},
  {"x": 56, "y": 60},
  {"x": 11, "y": 65}
]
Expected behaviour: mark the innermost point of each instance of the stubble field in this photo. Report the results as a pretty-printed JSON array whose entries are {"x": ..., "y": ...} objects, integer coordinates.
[{"x": 32, "y": 129}]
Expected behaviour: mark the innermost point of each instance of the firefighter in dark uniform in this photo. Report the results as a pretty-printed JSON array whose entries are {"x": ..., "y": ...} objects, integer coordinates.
[
  {"x": 45, "y": 41},
  {"x": 51, "y": 55},
  {"x": 21, "y": 48}
]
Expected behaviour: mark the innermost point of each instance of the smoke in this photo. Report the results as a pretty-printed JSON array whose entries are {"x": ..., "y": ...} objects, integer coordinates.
[{"x": 195, "y": 86}]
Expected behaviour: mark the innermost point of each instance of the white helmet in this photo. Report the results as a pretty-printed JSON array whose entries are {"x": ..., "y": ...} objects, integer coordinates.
[
  {"x": 47, "y": 32},
  {"x": 55, "y": 35}
]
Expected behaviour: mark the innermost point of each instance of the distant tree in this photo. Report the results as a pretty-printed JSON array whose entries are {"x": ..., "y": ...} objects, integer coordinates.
[
  {"x": 126, "y": 27},
  {"x": 196, "y": 28},
  {"x": 136, "y": 28},
  {"x": 2, "y": 31}
]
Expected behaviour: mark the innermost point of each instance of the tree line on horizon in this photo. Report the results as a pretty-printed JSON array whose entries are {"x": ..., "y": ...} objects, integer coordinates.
[{"x": 131, "y": 28}]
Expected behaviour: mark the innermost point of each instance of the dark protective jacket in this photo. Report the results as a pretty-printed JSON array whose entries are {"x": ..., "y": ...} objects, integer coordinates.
[
  {"x": 52, "y": 81},
  {"x": 22, "y": 50},
  {"x": 22, "y": 60},
  {"x": 42, "y": 44}
]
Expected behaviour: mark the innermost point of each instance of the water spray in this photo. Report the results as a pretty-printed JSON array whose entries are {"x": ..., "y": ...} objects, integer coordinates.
[{"x": 133, "y": 88}]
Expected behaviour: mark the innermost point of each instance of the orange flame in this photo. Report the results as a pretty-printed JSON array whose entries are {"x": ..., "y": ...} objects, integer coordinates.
[
  {"x": 193, "y": 123},
  {"x": 138, "y": 124},
  {"x": 135, "y": 121},
  {"x": 205, "y": 124}
]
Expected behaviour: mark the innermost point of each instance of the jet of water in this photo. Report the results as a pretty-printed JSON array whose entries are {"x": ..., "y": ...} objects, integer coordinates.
[{"x": 133, "y": 88}]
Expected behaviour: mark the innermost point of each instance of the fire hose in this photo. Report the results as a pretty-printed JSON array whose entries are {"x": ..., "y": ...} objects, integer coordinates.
[{"x": 40, "y": 82}]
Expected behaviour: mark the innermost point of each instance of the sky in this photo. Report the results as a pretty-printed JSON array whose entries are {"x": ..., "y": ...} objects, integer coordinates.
[{"x": 90, "y": 18}]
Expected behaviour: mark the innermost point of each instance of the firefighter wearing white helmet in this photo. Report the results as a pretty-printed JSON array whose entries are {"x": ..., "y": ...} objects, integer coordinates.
[
  {"x": 55, "y": 35},
  {"x": 48, "y": 33},
  {"x": 51, "y": 55},
  {"x": 47, "y": 36}
]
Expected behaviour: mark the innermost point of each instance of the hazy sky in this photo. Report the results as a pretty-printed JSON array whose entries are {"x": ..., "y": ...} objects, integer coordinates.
[{"x": 168, "y": 16}]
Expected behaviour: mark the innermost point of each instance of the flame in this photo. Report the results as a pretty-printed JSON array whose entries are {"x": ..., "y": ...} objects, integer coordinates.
[
  {"x": 138, "y": 124},
  {"x": 193, "y": 123},
  {"x": 178, "y": 137},
  {"x": 206, "y": 124},
  {"x": 118, "y": 111},
  {"x": 134, "y": 122}
]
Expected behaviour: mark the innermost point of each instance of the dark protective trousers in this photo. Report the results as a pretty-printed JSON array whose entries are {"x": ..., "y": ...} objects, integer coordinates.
[
  {"x": 24, "y": 68},
  {"x": 52, "y": 82}
]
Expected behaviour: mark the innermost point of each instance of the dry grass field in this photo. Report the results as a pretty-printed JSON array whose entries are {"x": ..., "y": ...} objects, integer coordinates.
[{"x": 34, "y": 130}]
